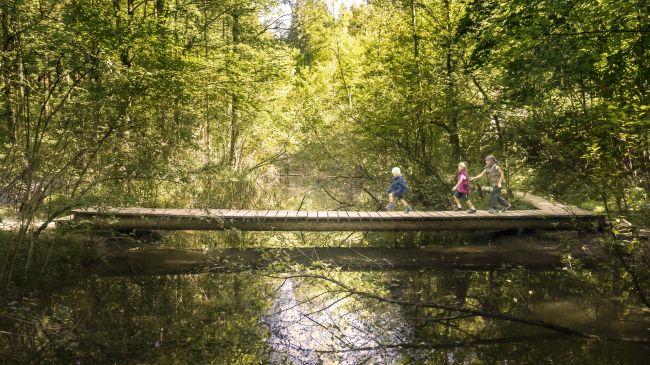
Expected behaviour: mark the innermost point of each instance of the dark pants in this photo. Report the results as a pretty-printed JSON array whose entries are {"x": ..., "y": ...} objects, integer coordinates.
[{"x": 495, "y": 197}]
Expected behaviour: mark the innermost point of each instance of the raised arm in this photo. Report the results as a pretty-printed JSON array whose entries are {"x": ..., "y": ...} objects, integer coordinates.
[{"x": 478, "y": 176}]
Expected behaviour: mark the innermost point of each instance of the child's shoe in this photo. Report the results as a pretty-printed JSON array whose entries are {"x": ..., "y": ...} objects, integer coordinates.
[
  {"x": 506, "y": 208},
  {"x": 471, "y": 211},
  {"x": 408, "y": 209},
  {"x": 390, "y": 206},
  {"x": 493, "y": 211}
]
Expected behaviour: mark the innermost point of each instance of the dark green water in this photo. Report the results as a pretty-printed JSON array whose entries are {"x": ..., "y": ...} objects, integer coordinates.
[{"x": 305, "y": 315}]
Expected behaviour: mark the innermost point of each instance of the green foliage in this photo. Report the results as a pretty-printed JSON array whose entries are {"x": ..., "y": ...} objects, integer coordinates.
[
  {"x": 122, "y": 103},
  {"x": 208, "y": 104},
  {"x": 573, "y": 77}
]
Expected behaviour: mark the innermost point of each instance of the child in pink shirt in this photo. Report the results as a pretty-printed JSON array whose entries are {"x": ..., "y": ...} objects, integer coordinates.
[{"x": 462, "y": 189}]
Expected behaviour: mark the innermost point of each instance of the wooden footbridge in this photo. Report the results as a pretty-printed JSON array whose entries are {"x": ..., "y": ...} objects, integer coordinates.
[{"x": 547, "y": 216}]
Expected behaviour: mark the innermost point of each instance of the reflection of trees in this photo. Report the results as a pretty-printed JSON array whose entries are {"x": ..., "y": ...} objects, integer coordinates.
[
  {"x": 331, "y": 327},
  {"x": 470, "y": 317},
  {"x": 332, "y": 316},
  {"x": 169, "y": 319}
]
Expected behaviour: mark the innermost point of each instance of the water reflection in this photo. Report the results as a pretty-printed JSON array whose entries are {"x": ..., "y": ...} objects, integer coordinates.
[
  {"x": 332, "y": 329},
  {"x": 253, "y": 317}
]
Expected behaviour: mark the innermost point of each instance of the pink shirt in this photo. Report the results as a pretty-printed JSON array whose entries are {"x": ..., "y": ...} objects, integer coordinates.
[{"x": 463, "y": 187}]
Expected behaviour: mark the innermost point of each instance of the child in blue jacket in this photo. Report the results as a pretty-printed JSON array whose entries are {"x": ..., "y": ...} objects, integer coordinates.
[{"x": 397, "y": 190}]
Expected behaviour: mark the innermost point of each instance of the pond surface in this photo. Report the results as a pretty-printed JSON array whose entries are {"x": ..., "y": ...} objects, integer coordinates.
[{"x": 291, "y": 313}]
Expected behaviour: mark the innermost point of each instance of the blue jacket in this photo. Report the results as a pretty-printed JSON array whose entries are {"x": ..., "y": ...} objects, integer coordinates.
[{"x": 398, "y": 186}]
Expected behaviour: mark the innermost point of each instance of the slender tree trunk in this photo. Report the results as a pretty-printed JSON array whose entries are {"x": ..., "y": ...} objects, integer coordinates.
[
  {"x": 234, "y": 101},
  {"x": 206, "y": 96},
  {"x": 8, "y": 72},
  {"x": 414, "y": 24},
  {"x": 347, "y": 87},
  {"x": 420, "y": 140},
  {"x": 452, "y": 115},
  {"x": 159, "y": 8},
  {"x": 126, "y": 54},
  {"x": 641, "y": 82},
  {"x": 495, "y": 115}
]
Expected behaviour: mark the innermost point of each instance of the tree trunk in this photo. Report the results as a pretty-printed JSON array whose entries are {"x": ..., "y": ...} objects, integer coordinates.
[
  {"x": 7, "y": 73},
  {"x": 159, "y": 7},
  {"x": 126, "y": 54},
  {"x": 452, "y": 115},
  {"x": 206, "y": 95},
  {"x": 234, "y": 101},
  {"x": 414, "y": 23}
]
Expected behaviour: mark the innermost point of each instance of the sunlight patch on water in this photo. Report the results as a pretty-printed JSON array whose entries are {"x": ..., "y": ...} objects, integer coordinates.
[{"x": 330, "y": 328}]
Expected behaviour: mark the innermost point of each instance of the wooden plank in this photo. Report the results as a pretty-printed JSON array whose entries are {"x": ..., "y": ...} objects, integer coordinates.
[
  {"x": 353, "y": 215},
  {"x": 374, "y": 215},
  {"x": 211, "y": 212},
  {"x": 233, "y": 213},
  {"x": 364, "y": 215},
  {"x": 249, "y": 214},
  {"x": 447, "y": 213},
  {"x": 552, "y": 217},
  {"x": 169, "y": 212},
  {"x": 321, "y": 215},
  {"x": 291, "y": 214},
  {"x": 239, "y": 213},
  {"x": 386, "y": 216},
  {"x": 281, "y": 214},
  {"x": 523, "y": 213},
  {"x": 264, "y": 215},
  {"x": 220, "y": 213},
  {"x": 403, "y": 215},
  {"x": 421, "y": 214},
  {"x": 337, "y": 216},
  {"x": 430, "y": 215}
]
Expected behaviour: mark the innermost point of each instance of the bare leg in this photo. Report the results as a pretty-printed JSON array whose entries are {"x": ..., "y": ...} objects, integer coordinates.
[
  {"x": 407, "y": 207},
  {"x": 457, "y": 202}
]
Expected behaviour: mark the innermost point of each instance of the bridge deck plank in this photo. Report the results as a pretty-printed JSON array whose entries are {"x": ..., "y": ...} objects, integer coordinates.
[
  {"x": 239, "y": 213},
  {"x": 292, "y": 214},
  {"x": 364, "y": 215},
  {"x": 247, "y": 219},
  {"x": 281, "y": 214},
  {"x": 353, "y": 215},
  {"x": 374, "y": 215}
]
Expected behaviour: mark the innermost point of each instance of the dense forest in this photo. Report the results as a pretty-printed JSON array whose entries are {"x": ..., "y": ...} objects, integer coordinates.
[
  {"x": 175, "y": 103},
  {"x": 309, "y": 104}
]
